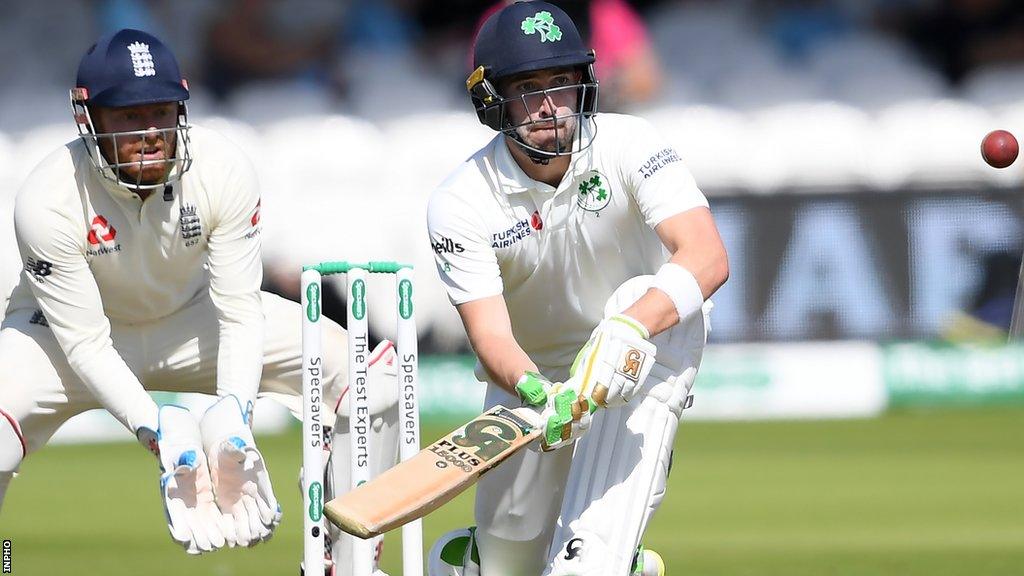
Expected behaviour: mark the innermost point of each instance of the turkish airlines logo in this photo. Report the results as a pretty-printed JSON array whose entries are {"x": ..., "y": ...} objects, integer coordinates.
[{"x": 101, "y": 231}]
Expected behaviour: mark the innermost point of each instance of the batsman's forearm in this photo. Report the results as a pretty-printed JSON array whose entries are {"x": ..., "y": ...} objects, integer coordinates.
[
  {"x": 503, "y": 359},
  {"x": 655, "y": 310},
  {"x": 710, "y": 267}
]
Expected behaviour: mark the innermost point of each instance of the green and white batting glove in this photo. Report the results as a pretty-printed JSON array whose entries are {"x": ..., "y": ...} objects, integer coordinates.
[
  {"x": 564, "y": 412},
  {"x": 192, "y": 515},
  {"x": 613, "y": 365},
  {"x": 240, "y": 477}
]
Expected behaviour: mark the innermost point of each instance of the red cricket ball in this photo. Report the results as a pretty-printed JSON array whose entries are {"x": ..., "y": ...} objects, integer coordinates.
[{"x": 999, "y": 148}]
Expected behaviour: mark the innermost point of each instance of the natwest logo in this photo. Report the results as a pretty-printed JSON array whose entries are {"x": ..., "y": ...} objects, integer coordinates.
[
  {"x": 256, "y": 215},
  {"x": 101, "y": 231}
]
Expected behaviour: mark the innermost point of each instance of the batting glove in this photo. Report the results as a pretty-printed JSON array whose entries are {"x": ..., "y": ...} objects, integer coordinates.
[
  {"x": 240, "y": 477},
  {"x": 564, "y": 412},
  {"x": 192, "y": 515},
  {"x": 613, "y": 365}
]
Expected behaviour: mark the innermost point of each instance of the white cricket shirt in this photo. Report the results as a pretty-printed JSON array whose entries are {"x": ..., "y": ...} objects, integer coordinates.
[
  {"x": 95, "y": 253},
  {"x": 557, "y": 254}
]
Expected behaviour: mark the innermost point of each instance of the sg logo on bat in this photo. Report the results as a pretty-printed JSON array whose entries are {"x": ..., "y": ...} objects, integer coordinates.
[{"x": 481, "y": 440}]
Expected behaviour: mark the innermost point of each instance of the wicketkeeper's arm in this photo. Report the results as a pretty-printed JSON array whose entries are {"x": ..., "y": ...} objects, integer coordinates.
[
  {"x": 55, "y": 267},
  {"x": 236, "y": 272}
]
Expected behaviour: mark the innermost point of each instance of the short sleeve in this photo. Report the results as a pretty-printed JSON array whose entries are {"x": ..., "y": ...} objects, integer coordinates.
[
  {"x": 655, "y": 174},
  {"x": 466, "y": 262}
]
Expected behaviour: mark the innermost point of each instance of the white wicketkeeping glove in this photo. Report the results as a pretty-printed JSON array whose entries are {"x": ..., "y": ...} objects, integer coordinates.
[
  {"x": 563, "y": 412},
  {"x": 240, "y": 477},
  {"x": 614, "y": 364},
  {"x": 192, "y": 515}
]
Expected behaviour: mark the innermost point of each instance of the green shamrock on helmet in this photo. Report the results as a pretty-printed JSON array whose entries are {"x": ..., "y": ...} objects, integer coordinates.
[{"x": 543, "y": 23}]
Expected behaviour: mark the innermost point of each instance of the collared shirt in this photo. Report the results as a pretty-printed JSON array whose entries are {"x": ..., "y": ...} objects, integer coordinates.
[
  {"x": 94, "y": 253},
  {"x": 556, "y": 254}
]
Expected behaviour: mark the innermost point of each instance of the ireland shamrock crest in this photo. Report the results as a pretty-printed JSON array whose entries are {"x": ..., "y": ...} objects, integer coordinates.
[
  {"x": 594, "y": 192},
  {"x": 544, "y": 24}
]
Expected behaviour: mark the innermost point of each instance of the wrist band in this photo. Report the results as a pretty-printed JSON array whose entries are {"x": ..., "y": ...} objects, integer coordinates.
[
  {"x": 633, "y": 323},
  {"x": 681, "y": 287}
]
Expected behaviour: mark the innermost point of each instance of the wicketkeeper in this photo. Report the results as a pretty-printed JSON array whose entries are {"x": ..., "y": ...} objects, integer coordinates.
[
  {"x": 580, "y": 254},
  {"x": 141, "y": 249}
]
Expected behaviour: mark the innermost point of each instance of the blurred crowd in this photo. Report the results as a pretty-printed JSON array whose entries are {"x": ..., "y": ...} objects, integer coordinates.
[
  {"x": 322, "y": 43},
  {"x": 366, "y": 57},
  {"x": 752, "y": 92}
]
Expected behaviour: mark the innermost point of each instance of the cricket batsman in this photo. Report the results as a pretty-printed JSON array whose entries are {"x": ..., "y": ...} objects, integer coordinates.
[
  {"x": 580, "y": 255},
  {"x": 141, "y": 249}
]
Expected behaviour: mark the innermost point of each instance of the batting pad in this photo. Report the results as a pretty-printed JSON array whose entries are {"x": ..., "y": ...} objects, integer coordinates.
[
  {"x": 616, "y": 482},
  {"x": 620, "y": 467},
  {"x": 454, "y": 554}
]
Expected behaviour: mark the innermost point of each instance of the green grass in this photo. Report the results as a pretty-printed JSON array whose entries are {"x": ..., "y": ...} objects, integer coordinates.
[{"x": 912, "y": 493}]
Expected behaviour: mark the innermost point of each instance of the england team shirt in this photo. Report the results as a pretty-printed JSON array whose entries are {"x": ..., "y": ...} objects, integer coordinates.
[
  {"x": 556, "y": 254},
  {"x": 94, "y": 252}
]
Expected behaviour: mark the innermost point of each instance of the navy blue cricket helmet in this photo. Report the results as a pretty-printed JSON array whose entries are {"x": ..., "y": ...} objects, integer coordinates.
[
  {"x": 526, "y": 37},
  {"x": 131, "y": 68}
]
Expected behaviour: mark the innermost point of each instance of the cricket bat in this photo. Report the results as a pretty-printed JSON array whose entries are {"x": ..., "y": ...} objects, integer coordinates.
[
  {"x": 1017, "y": 318},
  {"x": 440, "y": 472}
]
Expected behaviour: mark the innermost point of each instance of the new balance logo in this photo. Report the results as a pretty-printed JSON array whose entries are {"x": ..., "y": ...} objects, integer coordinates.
[
  {"x": 101, "y": 231},
  {"x": 39, "y": 269}
]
